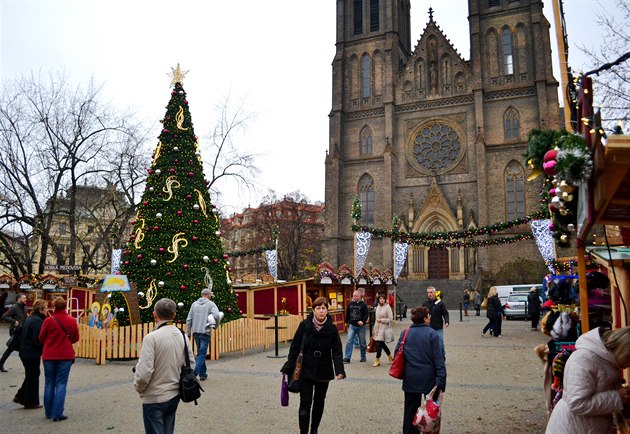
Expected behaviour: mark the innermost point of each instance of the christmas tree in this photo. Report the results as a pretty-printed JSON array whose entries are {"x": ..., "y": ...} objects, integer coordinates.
[{"x": 175, "y": 247}]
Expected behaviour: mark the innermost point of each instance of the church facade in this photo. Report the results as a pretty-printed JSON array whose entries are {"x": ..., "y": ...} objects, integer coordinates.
[{"x": 433, "y": 138}]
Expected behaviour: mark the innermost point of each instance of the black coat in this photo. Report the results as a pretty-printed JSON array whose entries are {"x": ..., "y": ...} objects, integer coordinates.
[
  {"x": 438, "y": 312},
  {"x": 533, "y": 303},
  {"x": 495, "y": 310},
  {"x": 322, "y": 350},
  {"x": 30, "y": 347},
  {"x": 17, "y": 312}
]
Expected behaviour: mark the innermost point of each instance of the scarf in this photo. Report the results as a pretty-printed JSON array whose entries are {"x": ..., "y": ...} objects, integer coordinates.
[{"x": 318, "y": 325}]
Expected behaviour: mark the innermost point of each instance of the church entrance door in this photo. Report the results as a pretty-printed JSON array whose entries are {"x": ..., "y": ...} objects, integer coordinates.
[{"x": 438, "y": 263}]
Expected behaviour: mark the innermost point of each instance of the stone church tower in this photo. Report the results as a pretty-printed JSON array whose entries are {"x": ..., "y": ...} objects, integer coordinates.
[{"x": 438, "y": 140}]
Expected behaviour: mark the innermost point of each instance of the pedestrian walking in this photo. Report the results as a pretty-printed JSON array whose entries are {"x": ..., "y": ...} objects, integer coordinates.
[
  {"x": 424, "y": 364},
  {"x": 59, "y": 331},
  {"x": 477, "y": 298},
  {"x": 16, "y": 315},
  {"x": 157, "y": 373},
  {"x": 438, "y": 314},
  {"x": 197, "y": 327},
  {"x": 494, "y": 314},
  {"x": 356, "y": 318},
  {"x": 466, "y": 301},
  {"x": 318, "y": 339},
  {"x": 382, "y": 327}
]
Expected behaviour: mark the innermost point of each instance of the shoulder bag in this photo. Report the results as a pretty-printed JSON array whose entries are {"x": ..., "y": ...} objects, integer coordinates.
[
  {"x": 397, "y": 370},
  {"x": 189, "y": 387},
  {"x": 295, "y": 380},
  {"x": 371, "y": 346}
]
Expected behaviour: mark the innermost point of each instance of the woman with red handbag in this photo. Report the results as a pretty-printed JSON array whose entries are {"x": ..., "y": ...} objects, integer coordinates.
[{"x": 424, "y": 364}]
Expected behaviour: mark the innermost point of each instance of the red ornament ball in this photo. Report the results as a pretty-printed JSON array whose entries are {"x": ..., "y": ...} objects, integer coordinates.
[
  {"x": 195, "y": 221},
  {"x": 225, "y": 256},
  {"x": 126, "y": 262},
  {"x": 171, "y": 170},
  {"x": 185, "y": 266},
  {"x": 169, "y": 273},
  {"x": 162, "y": 249},
  {"x": 146, "y": 202},
  {"x": 191, "y": 174},
  {"x": 139, "y": 256},
  {"x": 550, "y": 155},
  {"x": 195, "y": 238},
  {"x": 216, "y": 260},
  {"x": 229, "y": 309},
  {"x": 156, "y": 228},
  {"x": 150, "y": 171},
  {"x": 179, "y": 212},
  {"x": 182, "y": 287},
  {"x": 189, "y": 196}
]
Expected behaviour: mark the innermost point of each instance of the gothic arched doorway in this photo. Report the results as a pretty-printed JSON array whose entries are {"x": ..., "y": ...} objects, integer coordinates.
[{"x": 438, "y": 263}]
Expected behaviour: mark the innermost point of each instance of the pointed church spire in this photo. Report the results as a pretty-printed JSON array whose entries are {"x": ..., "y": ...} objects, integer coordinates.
[{"x": 430, "y": 15}]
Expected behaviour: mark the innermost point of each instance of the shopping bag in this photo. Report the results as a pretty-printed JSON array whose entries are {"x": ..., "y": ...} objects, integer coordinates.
[
  {"x": 429, "y": 414},
  {"x": 284, "y": 392}
]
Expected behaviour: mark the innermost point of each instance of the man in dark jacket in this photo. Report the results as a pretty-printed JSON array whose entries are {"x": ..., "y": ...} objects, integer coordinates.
[
  {"x": 356, "y": 318},
  {"x": 439, "y": 314},
  {"x": 16, "y": 316}
]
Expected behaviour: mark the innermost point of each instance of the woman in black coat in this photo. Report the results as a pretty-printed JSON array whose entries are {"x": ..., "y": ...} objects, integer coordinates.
[
  {"x": 322, "y": 362},
  {"x": 424, "y": 364},
  {"x": 534, "y": 307},
  {"x": 31, "y": 355},
  {"x": 494, "y": 314}
]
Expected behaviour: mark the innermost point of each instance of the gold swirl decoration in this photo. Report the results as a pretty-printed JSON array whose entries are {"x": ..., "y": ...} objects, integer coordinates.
[
  {"x": 139, "y": 235},
  {"x": 202, "y": 202},
  {"x": 171, "y": 183},
  {"x": 158, "y": 150},
  {"x": 177, "y": 238},
  {"x": 179, "y": 118},
  {"x": 150, "y": 295},
  {"x": 207, "y": 278}
]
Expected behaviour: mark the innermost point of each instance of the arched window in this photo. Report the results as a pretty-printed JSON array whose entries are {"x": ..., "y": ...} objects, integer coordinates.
[
  {"x": 366, "y": 141},
  {"x": 358, "y": 17},
  {"x": 514, "y": 191},
  {"x": 508, "y": 59},
  {"x": 511, "y": 124},
  {"x": 366, "y": 77},
  {"x": 374, "y": 16},
  {"x": 366, "y": 196}
]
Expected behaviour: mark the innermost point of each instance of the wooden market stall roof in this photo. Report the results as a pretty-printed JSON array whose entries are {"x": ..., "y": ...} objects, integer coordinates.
[{"x": 609, "y": 203}]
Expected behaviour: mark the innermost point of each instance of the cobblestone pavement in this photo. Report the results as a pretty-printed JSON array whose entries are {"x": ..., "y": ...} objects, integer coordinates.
[{"x": 494, "y": 385}]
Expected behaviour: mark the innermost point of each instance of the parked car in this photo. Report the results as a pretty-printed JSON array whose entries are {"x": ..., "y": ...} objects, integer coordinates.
[
  {"x": 515, "y": 305},
  {"x": 401, "y": 307}
]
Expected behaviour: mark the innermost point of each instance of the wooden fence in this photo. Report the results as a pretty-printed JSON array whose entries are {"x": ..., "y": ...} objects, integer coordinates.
[{"x": 239, "y": 335}]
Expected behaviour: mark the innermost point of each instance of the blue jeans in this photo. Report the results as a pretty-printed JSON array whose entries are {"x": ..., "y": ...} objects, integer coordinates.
[
  {"x": 352, "y": 331},
  {"x": 440, "y": 333},
  {"x": 56, "y": 374},
  {"x": 159, "y": 418},
  {"x": 202, "y": 341}
]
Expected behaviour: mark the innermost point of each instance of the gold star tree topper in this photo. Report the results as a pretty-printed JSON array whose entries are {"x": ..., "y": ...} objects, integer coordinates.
[{"x": 177, "y": 75}]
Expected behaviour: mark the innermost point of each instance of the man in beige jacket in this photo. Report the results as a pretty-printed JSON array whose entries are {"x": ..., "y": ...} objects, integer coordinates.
[{"x": 157, "y": 373}]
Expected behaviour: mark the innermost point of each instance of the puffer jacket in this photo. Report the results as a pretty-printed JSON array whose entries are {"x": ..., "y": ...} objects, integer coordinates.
[
  {"x": 323, "y": 357},
  {"x": 591, "y": 382},
  {"x": 384, "y": 313}
]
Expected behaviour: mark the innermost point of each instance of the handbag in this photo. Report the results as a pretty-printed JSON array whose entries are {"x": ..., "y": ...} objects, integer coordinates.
[
  {"x": 429, "y": 414},
  {"x": 371, "y": 347},
  {"x": 484, "y": 303},
  {"x": 397, "y": 370},
  {"x": 284, "y": 392},
  {"x": 389, "y": 334},
  {"x": 295, "y": 380},
  {"x": 189, "y": 387}
]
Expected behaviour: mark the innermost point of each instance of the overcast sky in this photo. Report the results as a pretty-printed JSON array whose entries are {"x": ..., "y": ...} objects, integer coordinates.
[{"x": 275, "y": 55}]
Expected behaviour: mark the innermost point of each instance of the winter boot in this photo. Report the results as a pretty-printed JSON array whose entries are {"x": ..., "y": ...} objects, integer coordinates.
[
  {"x": 377, "y": 362},
  {"x": 391, "y": 359}
]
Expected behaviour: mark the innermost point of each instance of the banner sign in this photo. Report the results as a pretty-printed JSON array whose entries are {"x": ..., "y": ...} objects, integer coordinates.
[{"x": 116, "y": 282}]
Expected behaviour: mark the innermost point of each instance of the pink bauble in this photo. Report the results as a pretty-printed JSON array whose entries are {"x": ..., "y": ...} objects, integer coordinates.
[
  {"x": 139, "y": 256},
  {"x": 182, "y": 287},
  {"x": 550, "y": 167},
  {"x": 179, "y": 212},
  {"x": 191, "y": 174},
  {"x": 126, "y": 262},
  {"x": 186, "y": 266},
  {"x": 156, "y": 228},
  {"x": 145, "y": 202},
  {"x": 229, "y": 309},
  {"x": 171, "y": 170},
  {"x": 162, "y": 249},
  {"x": 551, "y": 226},
  {"x": 552, "y": 192},
  {"x": 225, "y": 256},
  {"x": 195, "y": 221},
  {"x": 195, "y": 238},
  {"x": 216, "y": 260},
  {"x": 150, "y": 171}
]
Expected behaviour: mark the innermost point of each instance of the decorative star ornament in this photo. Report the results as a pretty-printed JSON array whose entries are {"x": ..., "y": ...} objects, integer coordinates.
[{"x": 177, "y": 75}]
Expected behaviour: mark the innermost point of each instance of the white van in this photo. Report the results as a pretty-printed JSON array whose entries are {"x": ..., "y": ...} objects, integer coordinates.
[{"x": 504, "y": 290}]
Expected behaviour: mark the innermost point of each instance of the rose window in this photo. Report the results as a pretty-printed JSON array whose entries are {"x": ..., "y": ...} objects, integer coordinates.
[{"x": 436, "y": 147}]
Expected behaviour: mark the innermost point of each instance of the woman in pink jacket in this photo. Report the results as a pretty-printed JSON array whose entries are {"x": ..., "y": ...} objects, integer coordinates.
[
  {"x": 59, "y": 331},
  {"x": 592, "y": 382}
]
